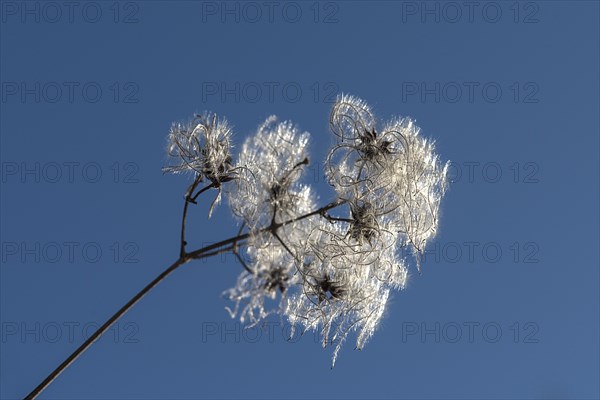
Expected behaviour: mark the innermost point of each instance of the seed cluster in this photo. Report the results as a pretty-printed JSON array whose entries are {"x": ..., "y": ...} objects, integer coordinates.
[{"x": 331, "y": 268}]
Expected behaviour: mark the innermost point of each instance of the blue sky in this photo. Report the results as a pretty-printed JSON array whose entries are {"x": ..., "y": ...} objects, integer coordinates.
[{"x": 508, "y": 302}]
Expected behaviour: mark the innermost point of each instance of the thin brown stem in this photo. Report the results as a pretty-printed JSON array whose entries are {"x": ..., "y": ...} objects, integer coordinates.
[
  {"x": 54, "y": 374},
  {"x": 184, "y": 216},
  {"x": 204, "y": 189},
  {"x": 271, "y": 228},
  {"x": 190, "y": 199},
  {"x": 285, "y": 246},
  {"x": 204, "y": 252},
  {"x": 242, "y": 262},
  {"x": 106, "y": 326}
]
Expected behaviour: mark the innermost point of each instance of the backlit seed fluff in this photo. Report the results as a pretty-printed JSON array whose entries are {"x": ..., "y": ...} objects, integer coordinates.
[
  {"x": 330, "y": 269},
  {"x": 270, "y": 164},
  {"x": 202, "y": 146}
]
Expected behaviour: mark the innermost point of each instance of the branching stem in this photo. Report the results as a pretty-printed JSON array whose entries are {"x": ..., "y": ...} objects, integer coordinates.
[{"x": 223, "y": 246}]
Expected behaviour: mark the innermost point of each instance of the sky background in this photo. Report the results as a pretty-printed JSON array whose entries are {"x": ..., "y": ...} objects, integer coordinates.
[{"x": 508, "y": 302}]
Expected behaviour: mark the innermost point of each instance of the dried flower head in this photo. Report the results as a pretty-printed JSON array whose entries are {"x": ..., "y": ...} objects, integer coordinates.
[
  {"x": 270, "y": 164},
  {"x": 345, "y": 283},
  {"x": 392, "y": 170},
  {"x": 329, "y": 269},
  {"x": 268, "y": 192},
  {"x": 202, "y": 146}
]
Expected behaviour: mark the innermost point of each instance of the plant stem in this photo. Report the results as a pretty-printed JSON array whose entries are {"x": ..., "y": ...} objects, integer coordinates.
[
  {"x": 96, "y": 335},
  {"x": 188, "y": 200},
  {"x": 54, "y": 374},
  {"x": 204, "y": 252}
]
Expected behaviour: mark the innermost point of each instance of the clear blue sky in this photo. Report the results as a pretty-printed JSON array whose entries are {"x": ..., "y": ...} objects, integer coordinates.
[{"x": 505, "y": 88}]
